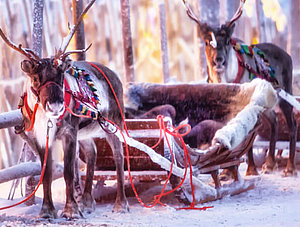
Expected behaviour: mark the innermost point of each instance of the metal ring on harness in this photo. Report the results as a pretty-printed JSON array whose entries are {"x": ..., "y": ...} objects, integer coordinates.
[{"x": 104, "y": 125}]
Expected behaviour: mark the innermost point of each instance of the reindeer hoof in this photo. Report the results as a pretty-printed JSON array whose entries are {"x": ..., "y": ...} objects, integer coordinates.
[
  {"x": 121, "y": 207},
  {"x": 289, "y": 172},
  {"x": 226, "y": 175},
  {"x": 48, "y": 213},
  {"x": 267, "y": 169},
  {"x": 87, "y": 203},
  {"x": 71, "y": 212},
  {"x": 252, "y": 171}
]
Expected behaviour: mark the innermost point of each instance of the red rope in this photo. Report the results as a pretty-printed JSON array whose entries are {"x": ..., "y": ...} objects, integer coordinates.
[
  {"x": 32, "y": 120},
  {"x": 113, "y": 91},
  {"x": 40, "y": 181}
]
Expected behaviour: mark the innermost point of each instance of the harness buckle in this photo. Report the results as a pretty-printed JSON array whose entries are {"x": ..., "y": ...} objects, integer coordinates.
[{"x": 49, "y": 125}]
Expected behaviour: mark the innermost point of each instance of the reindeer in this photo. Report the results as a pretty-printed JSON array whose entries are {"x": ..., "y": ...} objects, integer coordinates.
[
  {"x": 226, "y": 65},
  {"x": 47, "y": 88}
]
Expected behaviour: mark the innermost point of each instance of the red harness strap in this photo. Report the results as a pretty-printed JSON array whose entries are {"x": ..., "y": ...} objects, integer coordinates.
[
  {"x": 67, "y": 98},
  {"x": 241, "y": 68},
  {"x": 26, "y": 106}
]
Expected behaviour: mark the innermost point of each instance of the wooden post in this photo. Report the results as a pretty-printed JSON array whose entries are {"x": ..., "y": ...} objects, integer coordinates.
[
  {"x": 77, "y": 6},
  {"x": 127, "y": 41},
  {"x": 164, "y": 42}
]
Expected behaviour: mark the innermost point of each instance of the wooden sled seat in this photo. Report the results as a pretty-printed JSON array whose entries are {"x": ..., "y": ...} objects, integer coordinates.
[{"x": 146, "y": 131}]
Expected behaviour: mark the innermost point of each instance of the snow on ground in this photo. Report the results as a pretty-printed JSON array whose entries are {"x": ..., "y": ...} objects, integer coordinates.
[{"x": 275, "y": 201}]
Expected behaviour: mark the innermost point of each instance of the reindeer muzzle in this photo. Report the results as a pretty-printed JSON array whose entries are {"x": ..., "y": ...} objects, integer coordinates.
[{"x": 51, "y": 96}]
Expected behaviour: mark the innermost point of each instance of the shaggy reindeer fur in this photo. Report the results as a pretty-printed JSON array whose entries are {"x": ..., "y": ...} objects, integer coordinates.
[{"x": 236, "y": 105}]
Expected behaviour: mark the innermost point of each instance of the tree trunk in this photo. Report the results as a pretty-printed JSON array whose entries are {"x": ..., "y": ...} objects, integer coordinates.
[
  {"x": 164, "y": 42},
  {"x": 261, "y": 26},
  {"x": 127, "y": 41},
  {"x": 232, "y": 6},
  {"x": 77, "y": 6},
  {"x": 295, "y": 35},
  {"x": 209, "y": 13},
  {"x": 37, "y": 42},
  {"x": 37, "y": 35}
]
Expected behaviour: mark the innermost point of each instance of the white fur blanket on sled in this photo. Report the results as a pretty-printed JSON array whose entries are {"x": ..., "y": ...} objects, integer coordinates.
[{"x": 263, "y": 97}]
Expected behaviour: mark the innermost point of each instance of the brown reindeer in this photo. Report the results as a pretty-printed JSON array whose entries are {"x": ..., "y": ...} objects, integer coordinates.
[
  {"x": 226, "y": 64},
  {"x": 49, "y": 87}
]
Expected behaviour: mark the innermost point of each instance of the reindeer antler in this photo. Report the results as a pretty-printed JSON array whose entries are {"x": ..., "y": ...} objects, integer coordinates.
[
  {"x": 26, "y": 52},
  {"x": 66, "y": 41},
  {"x": 63, "y": 56},
  {"x": 190, "y": 13},
  {"x": 237, "y": 14}
]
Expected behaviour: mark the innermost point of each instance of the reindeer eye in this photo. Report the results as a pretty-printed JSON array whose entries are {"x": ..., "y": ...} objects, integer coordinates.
[
  {"x": 207, "y": 42},
  {"x": 35, "y": 79}
]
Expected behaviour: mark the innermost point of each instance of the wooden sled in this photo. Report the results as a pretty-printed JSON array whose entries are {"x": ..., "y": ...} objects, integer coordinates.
[
  {"x": 225, "y": 153},
  {"x": 144, "y": 170}
]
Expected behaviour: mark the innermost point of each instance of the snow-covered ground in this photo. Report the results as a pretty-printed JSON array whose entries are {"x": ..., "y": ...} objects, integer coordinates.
[{"x": 275, "y": 201}]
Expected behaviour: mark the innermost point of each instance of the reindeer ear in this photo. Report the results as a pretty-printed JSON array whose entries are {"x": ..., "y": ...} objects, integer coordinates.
[
  {"x": 204, "y": 31},
  {"x": 66, "y": 64},
  {"x": 28, "y": 66},
  {"x": 231, "y": 30}
]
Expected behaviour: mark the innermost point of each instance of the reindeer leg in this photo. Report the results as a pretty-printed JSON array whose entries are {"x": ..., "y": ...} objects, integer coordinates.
[
  {"x": 87, "y": 202},
  {"x": 270, "y": 163},
  {"x": 121, "y": 204},
  {"x": 251, "y": 170},
  {"x": 77, "y": 181},
  {"x": 71, "y": 209},
  {"x": 48, "y": 210},
  {"x": 287, "y": 110}
]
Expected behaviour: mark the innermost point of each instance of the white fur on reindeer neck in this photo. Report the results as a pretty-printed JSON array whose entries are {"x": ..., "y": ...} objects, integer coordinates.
[
  {"x": 264, "y": 97},
  {"x": 40, "y": 127}
]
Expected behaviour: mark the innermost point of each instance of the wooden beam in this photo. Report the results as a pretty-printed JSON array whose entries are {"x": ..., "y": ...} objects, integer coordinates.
[{"x": 11, "y": 119}]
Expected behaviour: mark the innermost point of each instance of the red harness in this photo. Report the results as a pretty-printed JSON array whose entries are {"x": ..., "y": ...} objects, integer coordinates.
[{"x": 241, "y": 67}]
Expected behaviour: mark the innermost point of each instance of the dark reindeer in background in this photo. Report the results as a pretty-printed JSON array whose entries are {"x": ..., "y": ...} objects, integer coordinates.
[
  {"x": 46, "y": 87},
  {"x": 226, "y": 65}
]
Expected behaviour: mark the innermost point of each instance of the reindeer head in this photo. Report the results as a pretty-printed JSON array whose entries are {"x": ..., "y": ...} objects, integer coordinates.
[
  {"x": 47, "y": 74},
  {"x": 47, "y": 83},
  {"x": 217, "y": 43}
]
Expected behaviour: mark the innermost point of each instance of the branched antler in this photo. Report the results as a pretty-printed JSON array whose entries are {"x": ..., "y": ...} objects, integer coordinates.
[
  {"x": 190, "y": 13},
  {"x": 66, "y": 41},
  {"x": 63, "y": 56},
  {"x": 237, "y": 14},
  {"x": 26, "y": 52}
]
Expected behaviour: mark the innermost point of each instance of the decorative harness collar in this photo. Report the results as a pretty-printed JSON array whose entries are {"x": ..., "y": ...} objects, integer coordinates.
[
  {"x": 265, "y": 71},
  {"x": 86, "y": 100}
]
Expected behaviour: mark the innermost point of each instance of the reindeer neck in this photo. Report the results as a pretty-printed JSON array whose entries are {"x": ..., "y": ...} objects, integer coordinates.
[
  {"x": 231, "y": 72},
  {"x": 40, "y": 126}
]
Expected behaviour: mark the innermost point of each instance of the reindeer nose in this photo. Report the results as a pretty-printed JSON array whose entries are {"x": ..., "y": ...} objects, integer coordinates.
[
  {"x": 220, "y": 60},
  {"x": 54, "y": 110}
]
